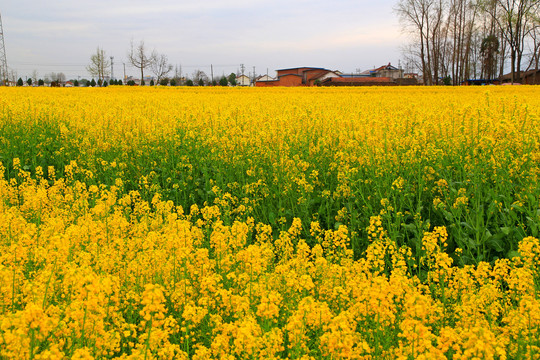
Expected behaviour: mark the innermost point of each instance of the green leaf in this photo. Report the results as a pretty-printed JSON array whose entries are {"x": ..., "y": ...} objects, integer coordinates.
[{"x": 496, "y": 244}]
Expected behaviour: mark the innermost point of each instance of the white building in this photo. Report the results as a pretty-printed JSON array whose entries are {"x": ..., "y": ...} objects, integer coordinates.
[{"x": 243, "y": 80}]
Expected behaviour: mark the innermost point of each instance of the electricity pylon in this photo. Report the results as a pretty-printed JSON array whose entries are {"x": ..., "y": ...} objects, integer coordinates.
[{"x": 3, "y": 61}]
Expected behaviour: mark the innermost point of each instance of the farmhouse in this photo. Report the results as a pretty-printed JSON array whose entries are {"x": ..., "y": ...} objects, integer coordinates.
[
  {"x": 312, "y": 76},
  {"x": 243, "y": 80},
  {"x": 264, "y": 78},
  {"x": 385, "y": 71},
  {"x": 531, "y": 77},
  {"x": 300, "y": 76}
]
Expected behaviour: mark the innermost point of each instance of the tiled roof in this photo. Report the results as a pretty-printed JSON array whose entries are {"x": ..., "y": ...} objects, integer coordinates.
[{"x": 360, "y": 80}]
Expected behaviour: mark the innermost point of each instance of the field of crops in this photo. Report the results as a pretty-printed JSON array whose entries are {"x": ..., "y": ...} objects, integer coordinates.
[{"x": 228, "y": 223}]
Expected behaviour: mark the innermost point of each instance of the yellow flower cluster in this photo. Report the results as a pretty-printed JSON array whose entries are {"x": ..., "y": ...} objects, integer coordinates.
[{"x": 100, "y": 278}]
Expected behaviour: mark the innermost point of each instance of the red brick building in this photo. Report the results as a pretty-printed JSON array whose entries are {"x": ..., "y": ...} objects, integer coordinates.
[
  {"x": 311, "y": 76},
  {"x": 301, "y": 76},
  {"x": 359, "y": 81}
]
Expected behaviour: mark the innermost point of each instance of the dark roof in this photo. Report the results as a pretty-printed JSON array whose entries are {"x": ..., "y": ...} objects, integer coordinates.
[
  {"x": 384, "y": 67},
  {"x": 523, "y": 74},
  {"x": 364, "y": 79},
  {"x": 303, "y": 67},
  {"x": 289, "y": 75},
  {"x": 354, "y": 76}
]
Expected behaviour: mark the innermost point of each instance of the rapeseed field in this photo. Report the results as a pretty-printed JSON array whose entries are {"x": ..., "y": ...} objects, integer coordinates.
[{"x": 305, "y": 223}]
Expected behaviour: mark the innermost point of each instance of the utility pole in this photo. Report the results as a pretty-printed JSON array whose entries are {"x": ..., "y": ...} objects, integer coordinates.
[
  {"x": 112, "y": 73},
  {"x": 212, "y": 73},
  {"x": 3, "y": 61},
  {"x": 124, "y": 72},
  {"x": 242, "y": 67},
  {"x": 254, "y": 75}
]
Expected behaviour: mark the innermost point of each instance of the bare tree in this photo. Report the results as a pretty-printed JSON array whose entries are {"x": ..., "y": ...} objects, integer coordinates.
[
  {"x": 411, "y": 53},
  {"x": 99, "y": 65},
  {"x": 534, "y": 52},
  {"x": 35, "y": 76},
  {"x": 161, "y": 67},
  {"x": 55, "y": 79},
  {"x": 462, "y": 38},
  {"x": 139, "y": 57},
  {"x": 12, "y": 75},
  {"x": 60, "y": 77},
  {"x": 200, "y": 77},
  {"x": 426, "y": 20},
  {"x": 516, "y": 21},
  {"x": 415, "y": 17}
]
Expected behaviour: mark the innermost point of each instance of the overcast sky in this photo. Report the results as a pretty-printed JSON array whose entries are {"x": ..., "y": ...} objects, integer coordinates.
[{"x": 61, "y": 35}]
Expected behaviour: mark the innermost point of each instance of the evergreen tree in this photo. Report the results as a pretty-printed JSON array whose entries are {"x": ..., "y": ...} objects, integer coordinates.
[
  {"x": 173, "y": 82},
  {"x": 41, "y": 82},
  {"x": 152, "y": 82},
  {"x": 232, "y": 79},
  {"x": 20, "y": 82},
  {"x": 223, "y": 81},
  {"x": 29, "y": 81},
  {"x": 93, "y": 83},
  {"x": 189, "y": 82},
  {"x": 76, "y": 83}
]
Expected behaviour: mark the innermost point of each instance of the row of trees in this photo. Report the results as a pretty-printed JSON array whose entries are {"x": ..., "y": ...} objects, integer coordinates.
[
  {"x": 52, "y": 78},
  {"x": 199, "y": 79},
  {"x": 454, "y": 40},
  {"x": 138, "y": 56},
  {"x": 141, "y": 58},
  {"x": 144, "y": 60},
  {"x": 203, "y": 81},
  {"x": 59, "y": 82}
]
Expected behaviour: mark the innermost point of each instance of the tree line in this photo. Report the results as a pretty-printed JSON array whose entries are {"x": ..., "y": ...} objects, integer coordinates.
[
  {"x": 144, "y": 60},
  {"x": 456, "y": 40}
]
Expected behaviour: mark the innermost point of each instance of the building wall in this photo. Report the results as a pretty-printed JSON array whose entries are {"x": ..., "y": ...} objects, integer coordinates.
[
  {"x": 531, "y": 79},
  {"x": 290, "y": 80},
  {"x": 309, "y": 76},
  {"x": 296, "y": 71},
  {"x": 265, "y": 78},
  {"x": 284, "y": 80},
  {"x": 329, "y": 74},
  {"x": 267, "y": 83},
  {"x": 243, "y": 81},
  {"x": 393, "y": 74}
]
